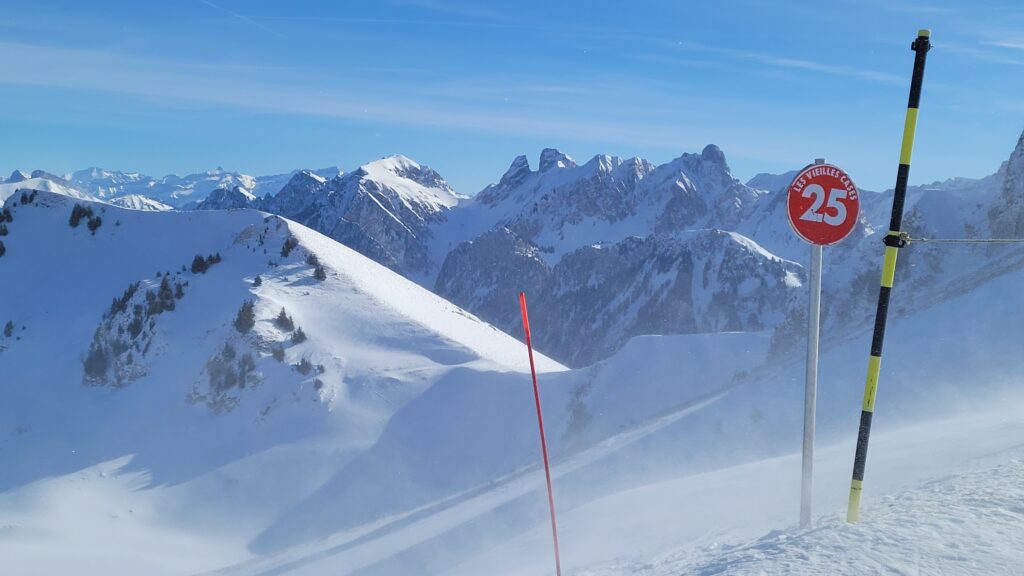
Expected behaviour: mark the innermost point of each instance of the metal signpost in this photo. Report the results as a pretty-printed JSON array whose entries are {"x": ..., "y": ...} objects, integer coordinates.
[{"x": 823, "y": 205}]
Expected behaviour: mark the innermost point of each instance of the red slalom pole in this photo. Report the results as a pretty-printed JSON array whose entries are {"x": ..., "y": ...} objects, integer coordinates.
[{"x": 540, "y": 423}]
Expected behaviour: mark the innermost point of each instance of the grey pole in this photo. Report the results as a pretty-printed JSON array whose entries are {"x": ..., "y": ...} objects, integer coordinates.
[{"x": 811, "y": 384}]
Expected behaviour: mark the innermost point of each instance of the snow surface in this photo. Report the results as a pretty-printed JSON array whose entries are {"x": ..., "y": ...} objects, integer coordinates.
[
  {"x": 176, "y": 463},
  {"x": 415, "y": 451},
  {"x": 703, "y": 471}
]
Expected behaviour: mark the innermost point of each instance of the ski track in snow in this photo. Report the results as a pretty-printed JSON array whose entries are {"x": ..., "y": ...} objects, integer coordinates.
[{"x": 355, "y": 549}]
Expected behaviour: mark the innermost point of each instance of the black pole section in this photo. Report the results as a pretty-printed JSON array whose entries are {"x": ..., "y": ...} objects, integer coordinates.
[{"x": 893, "y": 242}]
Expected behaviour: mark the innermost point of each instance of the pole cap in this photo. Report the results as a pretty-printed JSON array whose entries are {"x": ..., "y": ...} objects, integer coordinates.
[{"x": 924, "y": 32}]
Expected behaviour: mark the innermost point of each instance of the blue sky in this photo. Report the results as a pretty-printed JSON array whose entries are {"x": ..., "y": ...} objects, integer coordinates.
[{"x": 264, "y": 87}]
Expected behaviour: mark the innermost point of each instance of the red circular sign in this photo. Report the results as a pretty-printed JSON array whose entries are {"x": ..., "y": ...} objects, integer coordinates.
[{"x": 822, "y": 204}]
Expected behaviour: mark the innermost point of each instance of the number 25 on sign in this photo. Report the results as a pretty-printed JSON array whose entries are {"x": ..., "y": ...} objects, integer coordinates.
[{"x": 822, "y": 204}]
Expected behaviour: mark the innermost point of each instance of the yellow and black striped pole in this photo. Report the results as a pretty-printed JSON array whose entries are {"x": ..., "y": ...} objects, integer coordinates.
[{"x": 893, "y": 242}]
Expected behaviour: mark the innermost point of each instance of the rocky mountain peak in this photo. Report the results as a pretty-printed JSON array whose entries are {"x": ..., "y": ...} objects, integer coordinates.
[
  {"x": 224, "y": 199},
  {"x": 47, "y": 176},
  {"x": 304, "y": 179},
  {"x": 554, "y": 158},
  {"x": 517, "y": 172},
  {"x": 714, "y": 154}
]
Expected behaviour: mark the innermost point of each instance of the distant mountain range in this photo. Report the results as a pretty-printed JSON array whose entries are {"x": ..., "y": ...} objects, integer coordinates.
[
  {"x": 607, "y": 250},
  {"x": 234, "y": 378}
]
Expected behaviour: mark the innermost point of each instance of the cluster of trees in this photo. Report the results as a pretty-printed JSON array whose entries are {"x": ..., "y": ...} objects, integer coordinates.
[
  {"x": 200, "y": 265},
  {"x": 9, "y": 329},
  {"x": 5, "y": 216},
  {"x": 228, "y": 369},
  {"x": 318, "y": 269},
  {"x": 246, "y": 318},
  {"x": 304, "y": 367},
  {"x": 27, "y": 198},
  {"x": 284, "y": 321},
  {"x": 163, "y": 300},
  {"x": 97, "y": 361},
  {"x": 289, "y": 244},
  {"x": 121, "y": 304},
  {"x": 108, "y": 350},
  {"x": 93, "y": 222}
]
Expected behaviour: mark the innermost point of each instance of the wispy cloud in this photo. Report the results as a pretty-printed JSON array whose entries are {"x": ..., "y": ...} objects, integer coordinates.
[
  {"x": 177, "y": 81},
  {"x": 791, "y": 63},
  {"x": 983, "y": 54},
  {"x": 243, "y": 18},
  {"x": 669, "y": 48},
  {"x": 1011, "y": 44},
  {"x": 454, "y": 23},
  {"x": 472, "y": 12}
]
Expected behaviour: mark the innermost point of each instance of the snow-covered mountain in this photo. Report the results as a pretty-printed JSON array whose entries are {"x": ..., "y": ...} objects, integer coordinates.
[
  {"x": 573, "y": 233},
  {"x": 38, "y": 180},
  {"x": 174, "y": 190},
  {"x": 563, "y": 206},
  {"x": 697, "y": 282},
  {"x": 587, "y": 234},
  {"x": 470, "y": 250},
  {"x": 386, "y": 210},
  {"x": 225, "y": 199},
  {"x": 616, "y": 248},
  {"x": 139, "y": 202}
]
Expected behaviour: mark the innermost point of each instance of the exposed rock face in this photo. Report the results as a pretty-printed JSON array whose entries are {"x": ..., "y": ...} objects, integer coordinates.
[
  {"x": 500, "y": 264},
  {"x": 1007, "y": 219},
  {"x": 598, "y": 297},
  {"x": 224, "y": 199}
]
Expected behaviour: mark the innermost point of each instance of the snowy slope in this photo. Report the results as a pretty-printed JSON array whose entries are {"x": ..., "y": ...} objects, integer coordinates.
[
  {"x": 965, "y": 523},
  {"x": 678, "y": 449},
  {"x": 176, "y": 428},
  {"x": 951, "y": 506}
]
